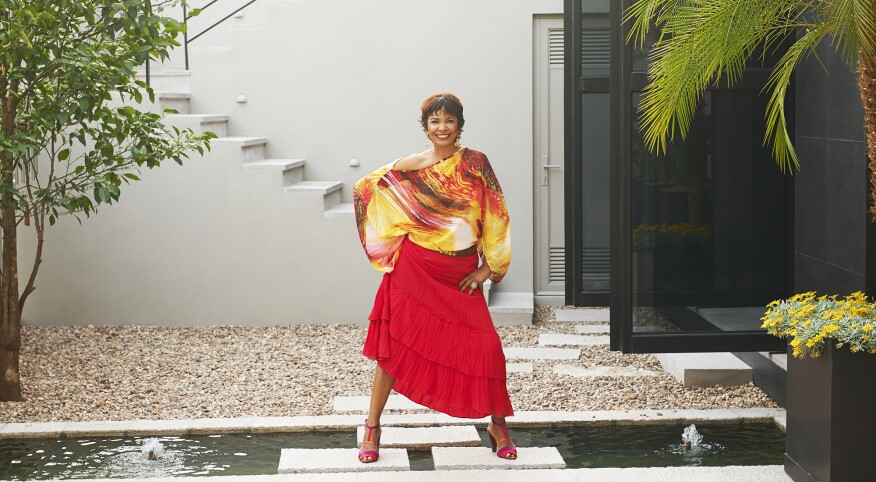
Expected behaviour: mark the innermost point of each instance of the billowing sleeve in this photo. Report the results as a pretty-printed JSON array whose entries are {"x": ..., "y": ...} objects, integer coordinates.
[
  {"x": 495, "y": 241},
  {"x": 379, "y": 220}
]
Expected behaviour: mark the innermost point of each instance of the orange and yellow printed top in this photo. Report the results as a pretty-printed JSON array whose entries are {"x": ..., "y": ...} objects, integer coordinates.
[{"x": 450, "y": 206}]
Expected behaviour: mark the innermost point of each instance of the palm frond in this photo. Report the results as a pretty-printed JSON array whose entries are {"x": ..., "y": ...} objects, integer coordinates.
[
  {"x": 645, "y": 12},
  {"x": 706, "y": 40},
  {"x": 855, "y": 27},
  {"x": 776, "y": 124}
]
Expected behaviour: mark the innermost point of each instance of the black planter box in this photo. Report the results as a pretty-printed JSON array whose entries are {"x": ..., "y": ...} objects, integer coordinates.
[{"x": 831, "y": 416}]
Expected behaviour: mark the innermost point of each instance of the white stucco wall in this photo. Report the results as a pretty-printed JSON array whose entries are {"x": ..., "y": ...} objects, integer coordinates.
[{"x": 326, "y": 81}]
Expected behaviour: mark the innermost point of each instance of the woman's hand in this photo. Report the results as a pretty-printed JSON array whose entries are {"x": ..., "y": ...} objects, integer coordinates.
[{"x": 479, "y": 275}]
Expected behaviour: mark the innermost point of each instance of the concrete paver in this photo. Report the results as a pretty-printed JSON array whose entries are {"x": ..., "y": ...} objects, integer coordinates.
[
  {"x": 527, "y": 353},
  {"x": 460, "y": 458},
  {"x": 706, "y": 369},
  {"x": 602, "y": 371},
  {"x": 559, "y": 339},
  {"x": 592, "y": 329},
  {"x": 311, "y": 461},
  {"x": 577, "y": 316},
  {"x": 522, "y": 367}
]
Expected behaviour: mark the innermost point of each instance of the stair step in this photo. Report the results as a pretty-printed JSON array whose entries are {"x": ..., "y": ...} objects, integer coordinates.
[
  {"x": 361, "y": 403},
  {"x": 173, "y": 95},
  {"x": 341, "y": 210},
  {"x": 592, "y": 329},
  {"x": 215, "y": 123},
  {"x": 168, "y": 80},
  {"x": 274, "y": 164},
  {"x": 706, "y": 369},
  {"x": 601, "y": 371},
  {"x": 511, "y": 308},
  {"x": 424, "y": 438},
  {"x": 322, "y": 187},
  {"x": 178, "y": 101},
  {"x": 252, "y": 148},
  {"x": 526, "y": 353},
  {"x": 559, "y": 339},
  {"x": 467, "y": 458},
  {"x": 330, "y": 190},
  {"x": 591, "y": 315},
  {"x": 240, "y": 141},
  {"x": 312, "y": 461}
]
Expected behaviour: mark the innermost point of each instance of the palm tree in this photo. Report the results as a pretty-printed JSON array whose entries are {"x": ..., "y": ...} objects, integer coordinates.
[{"x": 703, "y": 41}]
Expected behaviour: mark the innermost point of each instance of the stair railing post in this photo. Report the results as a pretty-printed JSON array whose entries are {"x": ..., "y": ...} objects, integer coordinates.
[{"x": 185, "y": 32}]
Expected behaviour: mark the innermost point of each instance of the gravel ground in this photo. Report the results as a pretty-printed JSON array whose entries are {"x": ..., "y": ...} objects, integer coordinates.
[{"x": 142, "y": 372}]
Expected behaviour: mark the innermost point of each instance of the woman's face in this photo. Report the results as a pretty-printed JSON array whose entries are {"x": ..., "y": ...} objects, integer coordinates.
[{"x": 442, "y": 129}]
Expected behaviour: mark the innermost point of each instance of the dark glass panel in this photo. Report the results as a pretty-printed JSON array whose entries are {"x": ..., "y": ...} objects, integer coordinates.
[
  {"x": 710, "y": 238},
  {"x": 595, "y": 190}
]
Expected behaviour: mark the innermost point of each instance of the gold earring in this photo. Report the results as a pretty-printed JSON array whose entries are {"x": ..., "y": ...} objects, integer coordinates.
[
  {"x": 428, "y": 141},
  {"x": 458, "y": 137}
]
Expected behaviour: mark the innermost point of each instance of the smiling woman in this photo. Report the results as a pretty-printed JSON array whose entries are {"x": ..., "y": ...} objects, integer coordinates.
[{"x": 426, "y": 221}]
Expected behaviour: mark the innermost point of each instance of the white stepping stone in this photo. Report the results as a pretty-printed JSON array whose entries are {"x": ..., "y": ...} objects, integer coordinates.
[
  {"x": 592, "y": 329},
  {"x": 526, "y": 353},
  {"x": 706, "y": 369},
  {"x": 598, "y": 314},
  {"x": 554, "y": 339},
  {"x": 462, "y": 458},
  {"x": 518, "y": 367},
  {"x": 312, "y": 461},
  {"x": 424, "y": 438},
  {"x": 602, "y": 371},
  {"x": 363, "y": 403}
]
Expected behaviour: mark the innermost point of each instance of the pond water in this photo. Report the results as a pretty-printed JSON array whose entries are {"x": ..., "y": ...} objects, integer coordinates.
[{"x": 257, "y": 454}]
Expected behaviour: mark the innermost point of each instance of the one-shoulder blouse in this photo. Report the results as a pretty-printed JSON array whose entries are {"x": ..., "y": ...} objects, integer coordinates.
[{"x": 450, "y": 206}]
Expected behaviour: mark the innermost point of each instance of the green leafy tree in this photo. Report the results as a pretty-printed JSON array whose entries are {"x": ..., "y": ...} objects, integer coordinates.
[
  {"x": 65, "y": 146},
  {"x": 702, "y": 41}
]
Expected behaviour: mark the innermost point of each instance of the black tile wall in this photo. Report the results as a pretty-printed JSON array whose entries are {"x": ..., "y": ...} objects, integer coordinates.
[{"x": 831, "y": 187}]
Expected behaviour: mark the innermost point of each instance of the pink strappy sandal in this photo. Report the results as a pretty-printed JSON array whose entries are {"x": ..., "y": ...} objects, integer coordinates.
[
  {"x": 368, "y": 456},
  {"x": 509, "y": 453}
]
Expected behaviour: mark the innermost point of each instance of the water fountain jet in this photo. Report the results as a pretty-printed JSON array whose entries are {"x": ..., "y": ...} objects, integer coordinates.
[
  {"x": 152, "y": 448},
  {"x": 691, "y": 437}
]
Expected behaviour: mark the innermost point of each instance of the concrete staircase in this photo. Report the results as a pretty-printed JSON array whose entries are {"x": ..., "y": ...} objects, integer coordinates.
[{"x": 173, "y": 91}]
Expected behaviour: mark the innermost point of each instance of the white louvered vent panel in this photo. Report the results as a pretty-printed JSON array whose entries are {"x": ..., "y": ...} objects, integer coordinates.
[
  {"x": 557, "y": 264},
  {"x": 595, "y": 48},
  {"x": 596, "y": 263},
  {"x": 555, "y": 46}
]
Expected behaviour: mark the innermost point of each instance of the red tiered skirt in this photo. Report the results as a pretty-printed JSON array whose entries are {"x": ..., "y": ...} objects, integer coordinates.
[{"x": 438, "y": 343}]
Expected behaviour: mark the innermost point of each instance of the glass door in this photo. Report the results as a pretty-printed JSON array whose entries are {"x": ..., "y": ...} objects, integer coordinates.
[{"x": 701, "y": 237}]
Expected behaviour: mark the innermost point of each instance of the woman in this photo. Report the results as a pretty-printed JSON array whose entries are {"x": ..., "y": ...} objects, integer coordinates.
[{"x": 426, "y": 221}]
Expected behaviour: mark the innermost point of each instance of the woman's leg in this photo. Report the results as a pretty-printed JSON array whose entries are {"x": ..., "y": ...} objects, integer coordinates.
[
  {"x": 497, "y": 429},
  {"x": 380, "y": 389}
]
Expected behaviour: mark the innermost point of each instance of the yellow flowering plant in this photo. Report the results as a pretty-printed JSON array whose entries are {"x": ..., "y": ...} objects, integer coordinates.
[{"x": 808, "y": 321}]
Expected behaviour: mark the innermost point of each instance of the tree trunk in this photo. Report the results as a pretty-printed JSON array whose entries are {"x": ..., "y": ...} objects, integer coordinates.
[
  {"x": 10, "y": 318},
  {"x": 867, "y": 82}
]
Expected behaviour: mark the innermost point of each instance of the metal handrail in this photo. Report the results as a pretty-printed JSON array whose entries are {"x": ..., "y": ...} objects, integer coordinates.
[{"x": 187, "y": 40}]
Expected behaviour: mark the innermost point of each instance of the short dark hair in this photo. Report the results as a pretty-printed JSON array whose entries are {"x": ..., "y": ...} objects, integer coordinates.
[{"x": 445, "y": 101}]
